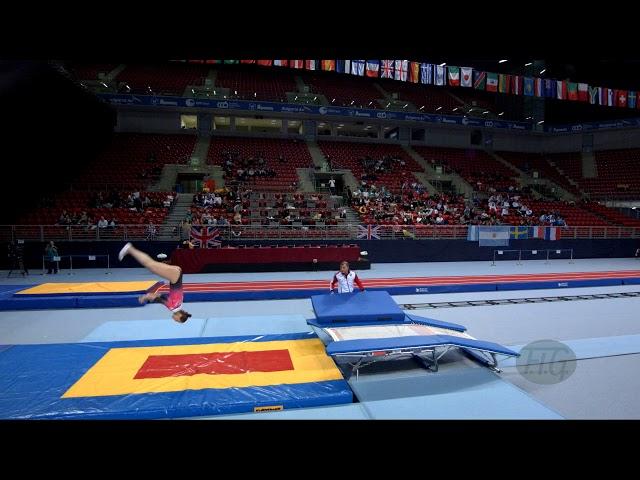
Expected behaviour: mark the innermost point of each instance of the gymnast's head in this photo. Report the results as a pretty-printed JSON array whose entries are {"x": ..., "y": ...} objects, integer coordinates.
[
  {"x": 181, "y": 316},
  {"x": 344, "y": 267}
]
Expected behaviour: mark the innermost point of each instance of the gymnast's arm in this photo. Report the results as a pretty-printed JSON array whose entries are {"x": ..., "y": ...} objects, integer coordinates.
[{"x": 152, "y": 298}]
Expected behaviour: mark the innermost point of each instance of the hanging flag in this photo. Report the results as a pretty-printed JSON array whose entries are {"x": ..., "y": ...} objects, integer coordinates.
[
  {"x": 537, "y": 87},
  {"x": 243, "y": 61},
  {"x": 480, "y": 81},
  {"x": 528, "y": 86},
  {"x": 516, "y": 84},
  {"x": 426, "y": 73},
  {"x": 328, "y": 65},
  {"x": 401, "y": 70},
  {"x": 583, "y": 92},
  {"x": 373, "y": 67},
  {"x": 234, "y": 62},
  {"x": 602, "y": 97},
  {"x": 631, "y": 99},
  {"x": 347, "y": 66},
  {"x": 552, "y": 233},
  {"x": 398, "y": 69},
  {"x": 340, "y": 66},
  {"x": 493, "y": 236},
  {"x": 536, "y": 232},
  {"x": 492, "y": 82},
  {"x": 439, "y": 75},
  {"x": 549, "y": 88},
  {"x": 296, "y": 63},
  {"x": 310, "y": 64},
  {"x": 572, "y": 91},
  {"x": 387, "y": 69},
  {"x": 561, "y": 90},
  {"x": 369, "y": 232},
  {"x": 466, "y": 76},
  {"x": 454, "y": 76},
  {"x": 473, "y": 233},
  {"x": 593, "y": 95},
  {"x": 621, "y": 98},
  {"x": 357, "y": 67},
  {"x": 205, "y": 237},
  {"x": 519, "y": 233},
  {"x": 414, "y": 72},
  {"x": 503, "y": 83},
  {"x": 281, "y": 63},
  {"x": 611, "y": 98}
]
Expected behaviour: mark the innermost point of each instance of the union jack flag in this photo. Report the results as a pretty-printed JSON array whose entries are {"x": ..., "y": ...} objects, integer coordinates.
[
  {"x": 368, "y": 231},
  {"x": 387, "y": 69},
  {"x": 401, "y": 70},
  {"x": 205, "y": 237}
]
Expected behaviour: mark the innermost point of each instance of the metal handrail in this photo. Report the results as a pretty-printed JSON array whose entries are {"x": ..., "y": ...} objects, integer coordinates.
[{"x": 44, "y": 233}]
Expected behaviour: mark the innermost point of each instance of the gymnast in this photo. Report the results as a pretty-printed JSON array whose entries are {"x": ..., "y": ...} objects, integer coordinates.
[
  {"x": 345, "y": 279},
  {"x": 172, "y": 273}
]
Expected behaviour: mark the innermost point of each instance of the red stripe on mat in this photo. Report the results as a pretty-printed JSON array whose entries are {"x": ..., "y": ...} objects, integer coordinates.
[{"x": 398, "y": 282}]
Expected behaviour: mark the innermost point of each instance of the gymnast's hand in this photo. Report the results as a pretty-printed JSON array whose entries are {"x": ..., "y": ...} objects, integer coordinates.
[{"x": 147, "y": 297}]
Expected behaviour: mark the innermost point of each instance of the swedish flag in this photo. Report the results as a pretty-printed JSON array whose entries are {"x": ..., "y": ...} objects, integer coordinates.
[{"x": 519, "y": 233}]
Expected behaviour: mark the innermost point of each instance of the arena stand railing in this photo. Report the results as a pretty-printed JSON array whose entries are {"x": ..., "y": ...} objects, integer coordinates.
[{"x": 45, "y": 233}]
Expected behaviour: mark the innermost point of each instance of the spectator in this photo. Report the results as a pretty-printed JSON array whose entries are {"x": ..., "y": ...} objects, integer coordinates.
[
  {"x": 51, "y": 253},
  {"x": 103, "y": 223},
  {"x": 151, "y": 231},
  {"x": 332, "y": 186}
]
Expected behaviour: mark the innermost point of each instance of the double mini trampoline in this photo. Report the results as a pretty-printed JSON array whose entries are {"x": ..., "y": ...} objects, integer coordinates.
[{"x": 363, "y": 328}]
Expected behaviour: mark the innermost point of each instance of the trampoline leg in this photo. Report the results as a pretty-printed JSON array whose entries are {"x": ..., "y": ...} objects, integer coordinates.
[
  {"x": 494, "y": 366},
  {"x": 430, "y": 365}
]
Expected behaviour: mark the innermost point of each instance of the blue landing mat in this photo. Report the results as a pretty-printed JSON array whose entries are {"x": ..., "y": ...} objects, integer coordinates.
[{"x": 34, "y": 379}]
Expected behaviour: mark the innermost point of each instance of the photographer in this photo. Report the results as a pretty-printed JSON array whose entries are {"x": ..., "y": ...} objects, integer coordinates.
[{"x": 16, "y": 257}]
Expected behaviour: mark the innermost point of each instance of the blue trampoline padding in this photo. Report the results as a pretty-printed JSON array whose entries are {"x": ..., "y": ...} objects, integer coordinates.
[
  {"x": 45, "y": 373},
  {"x": 14, "y": 288},
  {"x": 378, "y": 344},
  {"x": 318, "y": 324},
  {"x": 40, "y": 303},
  {"x": 66, "y": 302},
  {"x": 107, "y": 301},
  {"x": 600, "y": 282},
  {"x": 432, "y": 322},
  {"x": 631, "y": 281},
  {"x": 408, "y": 319},
  {"x": 146, "y": 329},
  {"x": 356, "y": 307}
]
